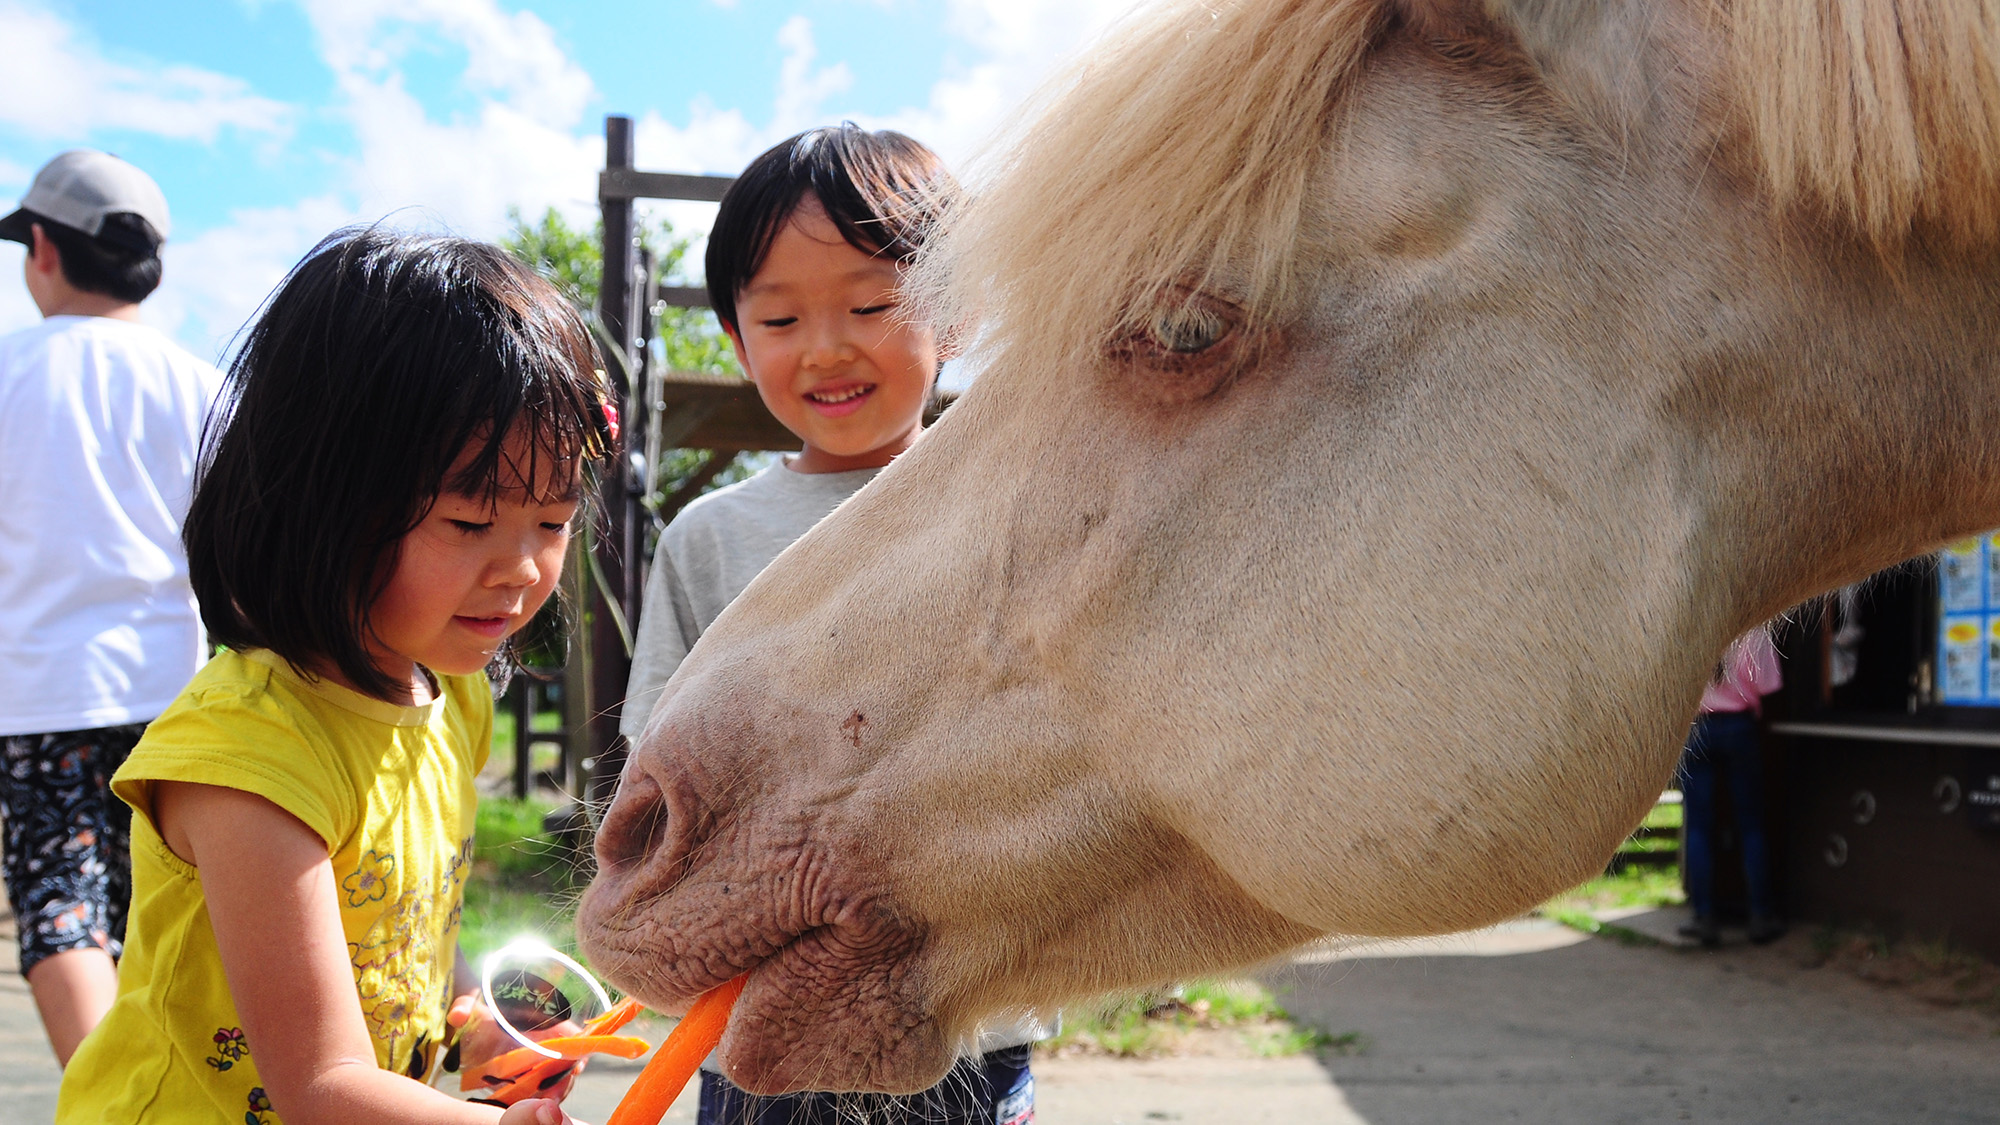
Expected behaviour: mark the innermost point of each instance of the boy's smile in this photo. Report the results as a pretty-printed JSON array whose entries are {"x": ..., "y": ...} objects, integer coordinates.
[
  {"x": 840, "y": 401},
  {"x": 820, "y": 336}
]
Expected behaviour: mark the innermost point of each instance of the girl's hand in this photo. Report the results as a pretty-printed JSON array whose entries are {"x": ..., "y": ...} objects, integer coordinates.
[
  {"x": 537, "y": 1111},
  {"x": 480, "y": 1038}
]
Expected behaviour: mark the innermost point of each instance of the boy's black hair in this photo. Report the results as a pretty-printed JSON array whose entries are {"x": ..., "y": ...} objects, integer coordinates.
[
  {"x": 882, "y": 190},
  {"x": 112, "y": 265},
  {"x": 375, "y": 363}
]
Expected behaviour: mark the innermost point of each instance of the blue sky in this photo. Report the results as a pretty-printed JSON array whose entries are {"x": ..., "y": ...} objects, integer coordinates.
[{"x": 270, "y": 122}]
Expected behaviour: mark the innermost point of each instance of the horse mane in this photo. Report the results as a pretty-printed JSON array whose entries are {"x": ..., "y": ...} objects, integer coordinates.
[
  {"x": 1885, "y": 113},
  {"x": 1175, "y": 155},
  {"x": 1178, "y": 154}
]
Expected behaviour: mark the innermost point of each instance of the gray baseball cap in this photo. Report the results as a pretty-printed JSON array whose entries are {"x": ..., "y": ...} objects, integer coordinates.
[{"x": 81, "y": 189}]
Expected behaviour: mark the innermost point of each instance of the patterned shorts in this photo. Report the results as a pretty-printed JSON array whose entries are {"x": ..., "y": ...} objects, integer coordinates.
[{"x": 68, "y": 859}]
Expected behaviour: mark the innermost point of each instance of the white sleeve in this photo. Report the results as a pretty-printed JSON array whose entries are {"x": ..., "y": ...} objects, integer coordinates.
[{"x": 667, "y": 630}]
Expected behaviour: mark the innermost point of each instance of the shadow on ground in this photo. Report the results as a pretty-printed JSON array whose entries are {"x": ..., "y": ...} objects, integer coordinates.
[{"x": 1535, "y": 1023}]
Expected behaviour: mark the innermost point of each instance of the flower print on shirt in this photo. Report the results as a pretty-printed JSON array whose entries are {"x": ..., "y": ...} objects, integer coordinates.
[
  {"x": 370, "y": 881},
  {"x": 230, "y": 1047},
  {"x": 403, "y": 963}
]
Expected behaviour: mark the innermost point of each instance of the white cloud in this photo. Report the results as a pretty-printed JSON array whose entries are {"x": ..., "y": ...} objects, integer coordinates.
[
  {"x": 213, "y": 281},
  {"x": 525, "y": 143},
  {"x": 1019, "y": 45},
  {"x": 520, "y": 146},
  {"x": 801, "y": 89},
  {"x": 1016, "y": 45},
  {"x": 514, "y": 56},
  {"x": 55, "y": 83},
  {"x": 723, "y": 140}
]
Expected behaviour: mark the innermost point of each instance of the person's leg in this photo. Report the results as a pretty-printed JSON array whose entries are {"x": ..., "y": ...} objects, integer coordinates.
[
  {"x": 1013, "y": 1084},
  {"x": 725, "y": 1103},
  {"x": 990, "y": 1089},
  {"x": 1742, "y": 763},
  {"x": 73, "y": 989},
  {"x": 68, "y": 872},
  {"x": 974, "y": 1092},
  {"x": 1698, "y": 830}
]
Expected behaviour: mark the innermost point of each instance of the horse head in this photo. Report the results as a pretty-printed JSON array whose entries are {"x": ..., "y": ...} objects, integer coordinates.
[{"x": 1386, "y": 413}]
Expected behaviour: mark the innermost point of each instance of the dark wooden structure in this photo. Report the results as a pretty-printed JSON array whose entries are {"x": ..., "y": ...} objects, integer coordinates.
[
  {"x": 659, "y": 411},
  {"x": 1885, "y": 796}
]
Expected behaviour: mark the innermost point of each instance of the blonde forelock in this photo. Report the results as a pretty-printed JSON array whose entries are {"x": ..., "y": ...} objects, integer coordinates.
[{"x": 1175, "y": 156}]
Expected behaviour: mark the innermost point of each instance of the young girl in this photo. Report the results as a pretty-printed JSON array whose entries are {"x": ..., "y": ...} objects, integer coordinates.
[{"x": 406, "y": 438}]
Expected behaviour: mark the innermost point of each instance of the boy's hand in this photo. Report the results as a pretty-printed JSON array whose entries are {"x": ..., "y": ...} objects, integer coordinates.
[
  {"x": 537, "y": 1111},
  {"x": 480, "y": 1038}
]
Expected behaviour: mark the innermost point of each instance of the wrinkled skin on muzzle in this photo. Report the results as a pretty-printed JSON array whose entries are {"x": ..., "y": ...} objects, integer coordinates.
[{"x": 1387, "y": 619}]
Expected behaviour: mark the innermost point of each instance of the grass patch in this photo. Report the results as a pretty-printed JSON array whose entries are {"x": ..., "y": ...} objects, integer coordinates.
[
  {"x": 543, "y": 757},
  {"x": 1665, "y": 815},
  {"x": 1579, "y": 906},
  {"x": 1237, "y": 1017},
  {"x": 521, "y": 883}
]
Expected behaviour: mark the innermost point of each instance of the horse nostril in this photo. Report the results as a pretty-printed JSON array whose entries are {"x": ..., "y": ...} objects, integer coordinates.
[{"x": 635, "y": 826}]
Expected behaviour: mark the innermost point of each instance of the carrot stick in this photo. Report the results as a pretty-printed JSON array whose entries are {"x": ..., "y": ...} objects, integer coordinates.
[
  {"x": 508, "y": 1066},
  {"x": 615, "y": 1017},
  {"x": 679, "y": 1057},
  {"x": 533, "y": 1081}
]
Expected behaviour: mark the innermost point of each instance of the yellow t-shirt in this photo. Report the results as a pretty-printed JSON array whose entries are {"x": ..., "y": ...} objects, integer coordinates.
[{"x": 390, "y": 790}]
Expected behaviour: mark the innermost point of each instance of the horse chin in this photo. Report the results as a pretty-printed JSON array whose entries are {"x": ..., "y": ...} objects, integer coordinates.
[
  {"x": 836, "y": 996},
  {"x": 823, "y": 1012},
  {"x": 801, "y": 1027}
]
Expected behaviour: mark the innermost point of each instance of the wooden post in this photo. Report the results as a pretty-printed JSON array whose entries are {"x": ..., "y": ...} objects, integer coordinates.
[{"x": 608, "y": 662}]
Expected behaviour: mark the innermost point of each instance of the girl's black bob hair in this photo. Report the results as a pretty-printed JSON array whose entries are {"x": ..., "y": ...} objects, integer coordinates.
[
  {"x": 379, "y": 359},
  {"x": 884, "y": 192}
]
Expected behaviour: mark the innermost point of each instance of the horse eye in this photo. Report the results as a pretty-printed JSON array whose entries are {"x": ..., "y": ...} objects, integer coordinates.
[{"x": 1188, "y": 329}]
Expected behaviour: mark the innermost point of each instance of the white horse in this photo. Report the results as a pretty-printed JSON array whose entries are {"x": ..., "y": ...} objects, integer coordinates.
[{"x": 1388, "y": 410}]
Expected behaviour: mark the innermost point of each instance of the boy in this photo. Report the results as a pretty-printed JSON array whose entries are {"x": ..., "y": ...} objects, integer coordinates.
[
  {"x": 100, "y": 417},
  {"x": 803, "y": 267}
]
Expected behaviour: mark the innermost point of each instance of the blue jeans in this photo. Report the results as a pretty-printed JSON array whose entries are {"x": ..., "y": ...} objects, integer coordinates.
[
  {"x": 991, "y": 1089},
  {"x": 1723, "y": 748}
]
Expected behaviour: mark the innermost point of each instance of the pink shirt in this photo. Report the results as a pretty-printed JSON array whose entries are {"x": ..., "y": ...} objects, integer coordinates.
[{"x": 1749, "y": 673}]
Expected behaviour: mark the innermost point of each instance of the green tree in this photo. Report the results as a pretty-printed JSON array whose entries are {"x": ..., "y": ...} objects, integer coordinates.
[{"x": 683, "y": 339}]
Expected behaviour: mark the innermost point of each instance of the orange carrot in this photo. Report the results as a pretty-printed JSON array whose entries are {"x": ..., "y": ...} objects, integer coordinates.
[
  {"x": 679, "y": 1057},
  {"x": 566, "y": 1047},
  {"x": 505, "y": 1071},
  {"x": 533, "y": 1082},
  {"x": 615, "y": 1017}
]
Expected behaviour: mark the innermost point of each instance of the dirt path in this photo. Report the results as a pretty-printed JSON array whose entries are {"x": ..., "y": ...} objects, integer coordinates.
[{"x": 1598, "y": 1031}]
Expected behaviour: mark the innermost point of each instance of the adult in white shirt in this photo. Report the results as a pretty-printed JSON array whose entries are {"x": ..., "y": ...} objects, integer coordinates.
[{"x": 100, "y": 428}]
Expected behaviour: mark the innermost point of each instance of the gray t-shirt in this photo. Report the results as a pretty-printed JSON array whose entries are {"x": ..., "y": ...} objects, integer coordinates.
[
  {"x": 707, "y": 555},
  {"x": 705, "y": 558}
]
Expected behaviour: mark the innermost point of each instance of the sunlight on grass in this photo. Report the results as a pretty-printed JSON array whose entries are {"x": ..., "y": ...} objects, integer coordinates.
[
  {"x": 521, "y": 884},
  {"x": 1633, "y": 887},
  {"x": 1237, "y": 1017}
]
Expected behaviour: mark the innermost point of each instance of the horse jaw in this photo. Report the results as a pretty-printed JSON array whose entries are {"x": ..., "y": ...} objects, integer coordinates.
[{"x": 1392, "y": 631}]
